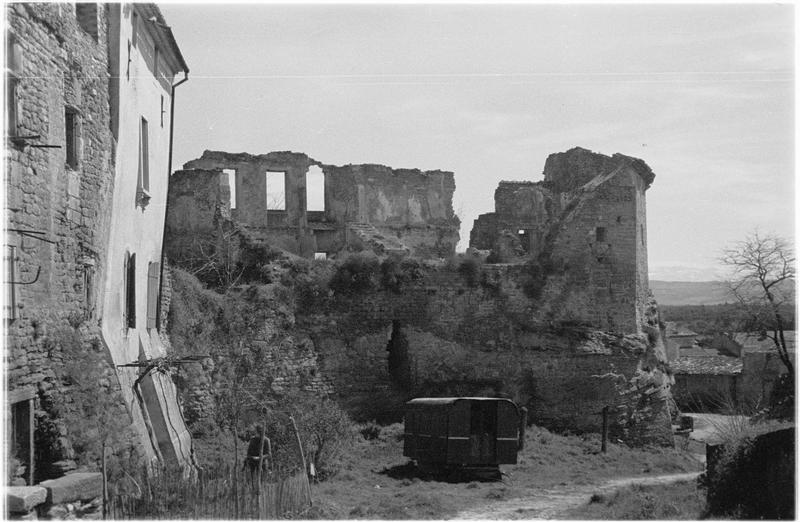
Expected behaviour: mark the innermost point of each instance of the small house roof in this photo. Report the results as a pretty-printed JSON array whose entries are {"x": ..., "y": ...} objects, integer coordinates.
[
  {"x": 708, "y": 365},
  {"x": 436, "y": 401}
]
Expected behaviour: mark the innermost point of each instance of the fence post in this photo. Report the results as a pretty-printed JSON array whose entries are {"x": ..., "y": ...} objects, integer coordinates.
[
  {"x": 105, "y": 482},
  {"x": 299, "y": 444},
  {"x": 604, "y": 440}
]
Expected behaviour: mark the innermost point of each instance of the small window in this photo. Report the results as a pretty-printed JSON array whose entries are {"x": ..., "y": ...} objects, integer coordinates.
[
  {"x": 143, "y": 188},
  {"x": 641, "y": 229},
  {"x": 232, "y": 185},
  {"x": 130, "y": 291},
  {"x": 72, "y": 137},
  {"x": 276, "y": 190},
  {"x": 600, "y": 235},
  {"x": 320, "y": 255},
  {"x": 134, "y": 29},
  {"x": 86, "y": 13}
]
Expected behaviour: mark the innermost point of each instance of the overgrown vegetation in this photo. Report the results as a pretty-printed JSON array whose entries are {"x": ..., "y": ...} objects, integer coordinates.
[
  {"x": 82, "y": 416},
  {"x": 679, "y": 501},
  {"x": 537, "y": 271},
  {"x": 748, "y": 454},
  {"x": 712, "y": 319}
]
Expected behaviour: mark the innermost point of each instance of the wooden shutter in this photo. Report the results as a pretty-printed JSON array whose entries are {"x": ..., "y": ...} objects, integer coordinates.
[
  {"x": 152, "y": 294},
  {"x": 130, "y": 292}
]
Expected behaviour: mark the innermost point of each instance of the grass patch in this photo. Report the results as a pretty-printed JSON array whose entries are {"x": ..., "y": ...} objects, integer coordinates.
[
  {"x": 679, "y": 501},
  {"x": 364, "y": 490}
]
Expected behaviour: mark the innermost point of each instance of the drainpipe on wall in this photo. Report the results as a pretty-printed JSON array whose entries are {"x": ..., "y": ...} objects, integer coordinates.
[{"x": 166, "y": 205}]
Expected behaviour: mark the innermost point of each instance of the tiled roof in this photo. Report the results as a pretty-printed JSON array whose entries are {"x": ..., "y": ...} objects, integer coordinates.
[{"x": 707, "y": 365}]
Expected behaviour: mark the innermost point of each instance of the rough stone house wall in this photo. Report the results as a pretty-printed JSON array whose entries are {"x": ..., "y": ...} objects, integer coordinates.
[
  {"x": 407, "y": 208},
  {"x": 58, "y": 215}
]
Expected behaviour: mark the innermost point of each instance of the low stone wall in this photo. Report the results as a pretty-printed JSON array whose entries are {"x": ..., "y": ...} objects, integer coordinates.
[
  {"x": 73, "y": 496},
  {"x": 753, "y": 480}
]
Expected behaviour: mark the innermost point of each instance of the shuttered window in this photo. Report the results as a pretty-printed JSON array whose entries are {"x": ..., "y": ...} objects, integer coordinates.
[
  {"x": 152, "y": 295},
  {"x": 130, "y": 291}
]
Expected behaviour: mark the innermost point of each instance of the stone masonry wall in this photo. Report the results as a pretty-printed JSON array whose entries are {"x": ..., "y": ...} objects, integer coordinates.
[
  {"x": 411, "y": 205},
  {"x": 585, "y": 225},
  {"x": 63, "y": 67},
  {"x": 466, "y": 338}
]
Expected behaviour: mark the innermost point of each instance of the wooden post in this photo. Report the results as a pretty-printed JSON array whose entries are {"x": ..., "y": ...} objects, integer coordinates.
[
  {"x": 105, "y": 482},
  {"x": 261, "y": 466},
  {"x": 31, "y": 440},
  {"x": 269, "y": 451},
  {"x": 603, "y": 443},
  {"x": 299, "y": 444},
  {"x": 523, "y": 422}
]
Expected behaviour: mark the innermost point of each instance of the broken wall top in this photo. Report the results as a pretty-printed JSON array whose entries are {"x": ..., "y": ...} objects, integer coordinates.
[{"x": 570, "y": 170}]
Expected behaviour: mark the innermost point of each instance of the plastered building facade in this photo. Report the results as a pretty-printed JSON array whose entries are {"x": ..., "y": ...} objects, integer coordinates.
[{"x": 74, "y": 152}]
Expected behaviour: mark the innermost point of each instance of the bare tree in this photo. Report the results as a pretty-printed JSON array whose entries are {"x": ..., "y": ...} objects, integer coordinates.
[{"x": 763, "y": 284}]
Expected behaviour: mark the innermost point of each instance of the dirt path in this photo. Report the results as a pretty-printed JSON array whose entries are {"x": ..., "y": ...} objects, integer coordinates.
[{"x": 548, "y": 503}]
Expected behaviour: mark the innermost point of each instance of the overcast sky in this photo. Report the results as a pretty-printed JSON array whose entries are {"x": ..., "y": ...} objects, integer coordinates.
[{"x": 704, "y": 94}]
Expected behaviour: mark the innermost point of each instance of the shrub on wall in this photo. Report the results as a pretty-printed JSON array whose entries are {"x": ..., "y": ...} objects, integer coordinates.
[
  {"x": 397, "y": 272},
  {"x": 470, "y": 269},
  {"x": 358, "y": 273}
]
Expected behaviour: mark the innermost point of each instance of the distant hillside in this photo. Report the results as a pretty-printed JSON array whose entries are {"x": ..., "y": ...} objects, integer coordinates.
[
  {"x": 670, "y": 293},
  {"x": 681, "y": 293}
]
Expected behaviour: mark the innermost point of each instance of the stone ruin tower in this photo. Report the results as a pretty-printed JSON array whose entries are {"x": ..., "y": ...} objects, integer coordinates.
[{"x": 586, "y": 226}]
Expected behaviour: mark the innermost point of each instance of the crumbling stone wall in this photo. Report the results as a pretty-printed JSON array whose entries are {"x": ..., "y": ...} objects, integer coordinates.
[
  {"x": 480, "y": 337},
  {"x": 59, "y": 217},
  {"x": 585, "y": 224},
  {"x": 409, "y": 206}
]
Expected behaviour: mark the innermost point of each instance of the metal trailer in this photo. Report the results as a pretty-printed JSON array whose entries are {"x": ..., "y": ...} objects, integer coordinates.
[{"x": 476, "y": 433}]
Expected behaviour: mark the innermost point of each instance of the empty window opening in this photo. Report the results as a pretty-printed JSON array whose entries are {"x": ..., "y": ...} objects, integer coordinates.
[
  {"x": 619, "y": 219},
  {"x": 641, "y": 229},
  {"x": 524, "y": 239},
  {"x": 231, "y": 185},
  {"x": 315, "y": 189},
  {"x": 276, "y": 190},
  {"x": 600, "y": 234},
  {"x": 22, "y": 442},
  {"x": 86, "y": 13},
  {"x": 398, "y": 360},
  {"x": 320, "y": 255},
  {"x": 72, "y": 137},
  {"x": 130, "y": 291}
]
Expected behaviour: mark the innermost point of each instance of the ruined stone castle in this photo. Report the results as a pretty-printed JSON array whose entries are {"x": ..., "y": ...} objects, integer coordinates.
[
  {"x": 550, "y": 306},
  {"x": 557, "y": 315}
]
